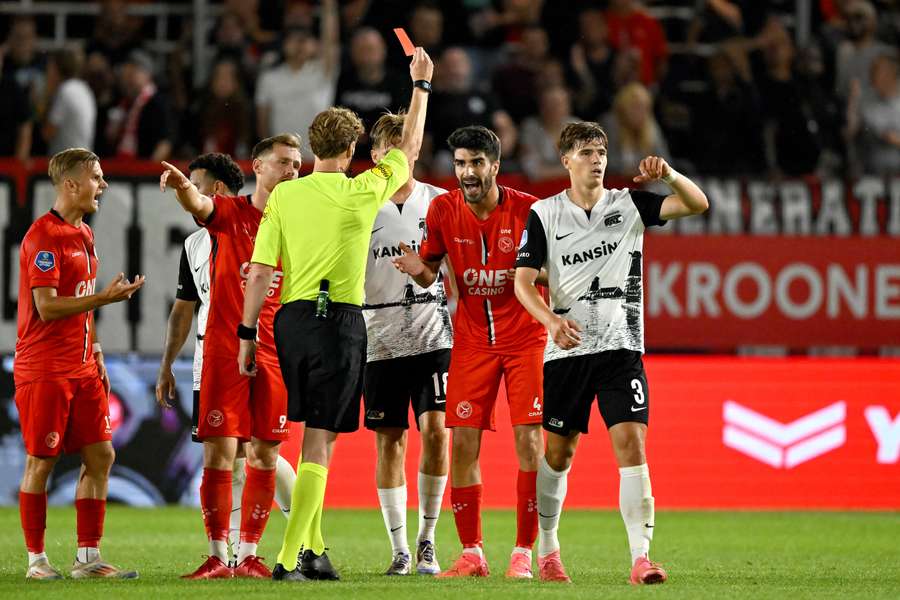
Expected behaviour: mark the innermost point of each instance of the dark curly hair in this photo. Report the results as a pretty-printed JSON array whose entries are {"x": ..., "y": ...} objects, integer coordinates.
[
  {"x": 220, "y": 167},
  {"x": 476, "y": 139}
]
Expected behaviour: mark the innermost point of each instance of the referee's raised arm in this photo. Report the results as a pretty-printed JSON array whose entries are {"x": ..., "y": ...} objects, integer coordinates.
[{"x": 420, "y": 69}]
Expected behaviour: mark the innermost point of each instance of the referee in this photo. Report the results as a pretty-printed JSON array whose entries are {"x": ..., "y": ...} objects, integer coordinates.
[{"x": 318, "y": 229}]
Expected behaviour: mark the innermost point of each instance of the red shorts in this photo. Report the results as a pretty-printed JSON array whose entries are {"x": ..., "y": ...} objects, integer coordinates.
[
  {"x": 232, "y": 405},
  {"x": 59, "y": 415},
  {"x": 475, "y": 379}
]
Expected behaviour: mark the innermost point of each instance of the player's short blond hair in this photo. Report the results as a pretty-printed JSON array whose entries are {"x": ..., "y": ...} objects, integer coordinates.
[
  {"x": 575, "y": 135},
  {"x": 333, "y": 131},
  {"x": 387, "y": 130},
  {"x": 66, "y": 161}
]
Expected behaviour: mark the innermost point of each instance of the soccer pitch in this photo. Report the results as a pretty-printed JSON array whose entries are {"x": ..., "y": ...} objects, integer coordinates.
[{"x": 707, "y": 554}]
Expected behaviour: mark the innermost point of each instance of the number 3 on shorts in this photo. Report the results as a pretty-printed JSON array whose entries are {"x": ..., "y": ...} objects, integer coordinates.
[{"x": 638, "y": 388}]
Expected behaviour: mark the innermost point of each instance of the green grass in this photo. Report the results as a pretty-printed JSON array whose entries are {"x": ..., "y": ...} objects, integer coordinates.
[{"x": 708, "y": 555}]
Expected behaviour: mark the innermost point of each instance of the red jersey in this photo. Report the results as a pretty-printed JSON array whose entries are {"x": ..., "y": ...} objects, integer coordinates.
[
  {"x": 233, "y": 225},
  {"x": 641, "y": 31},
  {"x": 58, "y": 255},
  {"x": 481, "y": 253}
]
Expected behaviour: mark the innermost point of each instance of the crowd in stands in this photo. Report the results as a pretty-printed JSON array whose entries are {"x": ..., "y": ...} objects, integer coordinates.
[{"x": 738, "y": 97}]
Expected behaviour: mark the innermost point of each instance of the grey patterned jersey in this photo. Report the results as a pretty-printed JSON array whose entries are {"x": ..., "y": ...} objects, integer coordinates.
[
  {"x": 593, "y": 261},
  {"x": 403, "y": 319}
]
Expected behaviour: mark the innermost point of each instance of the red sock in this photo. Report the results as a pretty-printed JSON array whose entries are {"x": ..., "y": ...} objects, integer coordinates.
[
  {"x": 466, "y": 502},
  {"x": 215, "y": 501},
  {"x": 90, "y": 513},
  {"x": 33, "y": 512},
  {"x": 259, "y": 491},
  {"x": 526, "y": 509}
]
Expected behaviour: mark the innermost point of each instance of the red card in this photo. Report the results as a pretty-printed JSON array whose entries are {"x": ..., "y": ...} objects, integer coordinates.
[{"x": 408, "y": 47}]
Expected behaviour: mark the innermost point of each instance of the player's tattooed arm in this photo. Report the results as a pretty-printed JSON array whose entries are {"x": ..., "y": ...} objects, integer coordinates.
[
  {"x": 564, "y": 332},
  {"x": 423, "y": 272},
  {"x": 51, "y": 307},
  {"x": 186, "y": 192},
  {"x": 687, "y": 199}
]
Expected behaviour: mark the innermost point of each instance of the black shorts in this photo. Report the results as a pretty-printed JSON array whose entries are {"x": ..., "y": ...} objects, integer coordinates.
[
  {"x": 615, "y": 377},
  {"x": 322, "y": 363},
  {"x": 195, "y": 418},
  {"x": 390, "y": 386}
]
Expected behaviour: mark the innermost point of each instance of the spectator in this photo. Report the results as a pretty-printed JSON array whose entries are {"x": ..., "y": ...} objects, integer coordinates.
[
  {"x": 633, "y": 131},
  {"x": 233, "y": 43},
  {"x": 726, "y": 118},
  {"x": 791, "y": 131},
  {"x": 426, "y": 27},
  {"x": 72, "y": 115},
  {"x": 98, "y": 74},
  {"x": 592, "y": 66},
  {"x": 539, "y": 135},
  {"x": 515, "y": 82},
  {"x": 116, "y": 33},
  {"x": 15, "y": 117},
  {"x": 367, "y": 86},
  {"x": 290, "y": 95},
  {"x": 224, "y": 115},
  {"x": 631, "y": 27},
  {"x": 856, "y": 53},
  {"x": 719, "y": 20},
  {"x": 23, "y": 62},
  {"x": 140, "y": 127},
  {"x": 879, "y": 141},
  {"x": 455, "y": 103}
]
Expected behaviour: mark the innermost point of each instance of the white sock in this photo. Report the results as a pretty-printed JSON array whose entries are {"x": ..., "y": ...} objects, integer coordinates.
[
  {"x": 393, "y": 509},
  {"x": 551, "y": 493},
  {"x": 284, "y": 484},
  {"x": 246, "y": 549},
  {"x": 474, "y": 550},
  {"x": 87, "y": 554},
  {"x": 33, "y": 557},
  {"x": 431, "y": 495},
  {"x": 219, "y": 549},
  {"x": 521, "y": 550},
  {"x": 238, "y": 476},
  {"x": 636, "y": 506}
]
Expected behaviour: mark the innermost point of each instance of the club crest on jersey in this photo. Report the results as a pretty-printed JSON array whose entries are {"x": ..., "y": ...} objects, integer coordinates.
[
  {"x": 382, "y": 170},
  {"x": 613, "y": 220},
  {"x": 464, "y": 410},
  {"x": 52, "y": 439},
  {"x": 506, "y": 244},
  {"x": 45, "y": 260},
  {"x": 215, "y": 418}
]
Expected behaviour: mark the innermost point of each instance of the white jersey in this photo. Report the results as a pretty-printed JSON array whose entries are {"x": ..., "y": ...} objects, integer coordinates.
[
  {"x": 197, "y": 248},
  {"x": 403, "y": 319},
  {"x": 594, "y": 265}
]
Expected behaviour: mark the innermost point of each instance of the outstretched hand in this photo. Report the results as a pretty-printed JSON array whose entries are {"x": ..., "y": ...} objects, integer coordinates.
[
  {"x": 121, "y": 289},
  {"x": 174, "y": 178},
  {"x": 652, "y": 168},
  {"x": 410, "y": 262}
]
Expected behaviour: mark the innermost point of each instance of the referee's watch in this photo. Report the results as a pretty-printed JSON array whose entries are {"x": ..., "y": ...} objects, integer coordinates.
[
  {"x": 422, "y": 84},
  {"x": 246, "y": 333}
]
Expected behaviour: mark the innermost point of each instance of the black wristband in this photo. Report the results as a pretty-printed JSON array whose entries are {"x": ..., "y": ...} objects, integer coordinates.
[
  {"x": 422, "y": 84},
  {"x": 246, "y": 333}
]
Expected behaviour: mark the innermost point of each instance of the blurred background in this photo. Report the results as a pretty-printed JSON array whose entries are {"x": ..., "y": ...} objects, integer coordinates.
[{"x": 773, "y": 321}]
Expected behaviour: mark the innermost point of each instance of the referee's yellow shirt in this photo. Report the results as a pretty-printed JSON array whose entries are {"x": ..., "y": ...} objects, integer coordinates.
[{"x": 319, "y": 227}]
